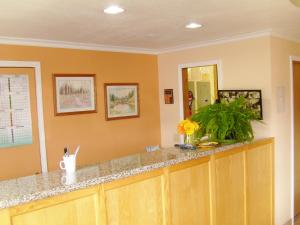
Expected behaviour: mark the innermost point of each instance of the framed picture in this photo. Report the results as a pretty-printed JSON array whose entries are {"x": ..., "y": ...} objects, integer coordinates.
[
  {"x": 74, "y": 93},
  {"x": 253, "y": 97},
  {"x": 121, "y": 100},
  {"x": 168, "y": 94}
]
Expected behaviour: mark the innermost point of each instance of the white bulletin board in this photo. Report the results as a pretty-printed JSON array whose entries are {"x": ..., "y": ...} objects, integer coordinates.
[
  {"x": 15, "y": 113},
  {"x": 40, "y": 116}
]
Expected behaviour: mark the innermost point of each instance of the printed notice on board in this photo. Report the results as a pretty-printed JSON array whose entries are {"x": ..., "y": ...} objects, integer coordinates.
[{"x": 15, "y": 114}]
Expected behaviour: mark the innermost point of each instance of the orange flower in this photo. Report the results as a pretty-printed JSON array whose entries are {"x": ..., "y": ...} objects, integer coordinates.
[{"x": 180, "y": 129}]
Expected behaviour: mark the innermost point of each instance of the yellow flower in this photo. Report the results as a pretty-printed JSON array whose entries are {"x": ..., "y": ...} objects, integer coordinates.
[
  {"x": 187, "y": 127},
  {"x": 182, "y": 122}
]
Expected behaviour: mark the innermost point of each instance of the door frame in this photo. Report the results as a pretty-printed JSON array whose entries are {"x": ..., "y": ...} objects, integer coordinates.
[
  {"x": 38, "y": 86},
  {"x": 291, "y": 60},
  {"x": 217, "y": 62}
]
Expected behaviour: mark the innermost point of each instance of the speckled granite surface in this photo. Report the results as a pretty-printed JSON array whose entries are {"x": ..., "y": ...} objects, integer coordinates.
[{"x": 26, "y": 189}]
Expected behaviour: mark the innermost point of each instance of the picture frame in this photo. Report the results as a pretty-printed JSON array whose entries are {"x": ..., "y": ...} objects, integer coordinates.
[
  {"x": 121, "y": 101},
  {"x": 253, "y": 97},
  {"x": 168, "y": 96},
  {"x": 74, "y": 94}
]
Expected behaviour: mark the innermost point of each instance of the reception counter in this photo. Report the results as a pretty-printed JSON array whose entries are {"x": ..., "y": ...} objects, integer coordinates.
[{"x": 229, "y": 185}]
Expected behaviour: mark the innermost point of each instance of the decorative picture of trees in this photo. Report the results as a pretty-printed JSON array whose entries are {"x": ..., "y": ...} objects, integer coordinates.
[
  {"x": 74, "y": 93},
  {"x": 121, "y": 100}
]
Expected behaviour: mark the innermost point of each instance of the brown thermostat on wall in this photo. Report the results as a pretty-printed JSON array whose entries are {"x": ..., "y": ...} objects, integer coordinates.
[{"x": 169, "y": 99}]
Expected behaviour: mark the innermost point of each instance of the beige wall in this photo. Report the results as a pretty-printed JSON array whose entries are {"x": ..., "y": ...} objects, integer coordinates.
[
  {"x": 259, "y": 63},
  {"x": 99, "y": 139},
  {"x": 245, "y": 65},
  {"x": 281, "y": 117}
]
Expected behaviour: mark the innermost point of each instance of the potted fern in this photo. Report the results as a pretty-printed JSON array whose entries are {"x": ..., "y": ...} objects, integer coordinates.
[{"x": 226, "y": 123}]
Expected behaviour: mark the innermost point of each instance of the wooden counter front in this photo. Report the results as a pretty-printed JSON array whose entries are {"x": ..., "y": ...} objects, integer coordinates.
[{"x": 234, "y": 187}]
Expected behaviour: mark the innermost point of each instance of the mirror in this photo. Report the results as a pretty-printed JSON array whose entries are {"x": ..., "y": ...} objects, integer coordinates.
[{"x": 200, "y": 87}]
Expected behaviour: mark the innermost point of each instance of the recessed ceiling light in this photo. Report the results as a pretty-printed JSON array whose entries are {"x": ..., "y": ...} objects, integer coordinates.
[
  {"x": 193, "y": 25},
  {"x": 113, "y": 9}
]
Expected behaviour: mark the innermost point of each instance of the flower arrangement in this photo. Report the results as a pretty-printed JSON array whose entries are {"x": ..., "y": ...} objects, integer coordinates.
[
  {"x": 220, "y": 123},
  {"x": 188, "y": 128}
]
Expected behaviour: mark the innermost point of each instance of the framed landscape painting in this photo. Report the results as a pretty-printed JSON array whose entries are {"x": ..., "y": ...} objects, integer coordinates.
[
  {"x": 74, "y": 93},
  {"x": 121, "y": 100},
  {"x": 253, "y": 97}
]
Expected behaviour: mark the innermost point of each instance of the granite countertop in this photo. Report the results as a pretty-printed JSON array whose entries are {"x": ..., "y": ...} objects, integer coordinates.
[{"x": 31, "y": 188}]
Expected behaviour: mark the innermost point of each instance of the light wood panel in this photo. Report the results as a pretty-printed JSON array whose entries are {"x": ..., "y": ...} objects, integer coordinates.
[
  {"x": 4, "y": 217},
  {"x": 259, "y": 167},
  {"x": 166, "y": 197},
  {"x": 190, "y": 194},
  {"x": 136, "y": 203},
  {"x": 229, "y": 190},
  {"x": 77, "y": 212},
  {"x": 48, "y": 202}
]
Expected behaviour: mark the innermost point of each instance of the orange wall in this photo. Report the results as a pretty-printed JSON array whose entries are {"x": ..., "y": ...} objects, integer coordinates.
[{"x": 99, "y": 139}]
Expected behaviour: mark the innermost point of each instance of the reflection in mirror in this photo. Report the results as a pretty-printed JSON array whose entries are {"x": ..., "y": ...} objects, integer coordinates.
[{"x": 200, "y": 87}]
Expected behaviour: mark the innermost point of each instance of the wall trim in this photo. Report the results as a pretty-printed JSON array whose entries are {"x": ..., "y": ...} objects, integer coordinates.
[
  {"x": 292, "y": 59},
  {"x": 72, "y": 45},
  {"x": 224, "y": 40},
  {"x": 110, "y": 48},
  {"x": 38, "y": 86},
  {"x": 217, "y": 62},
  {"x": 285, "y": 37}
]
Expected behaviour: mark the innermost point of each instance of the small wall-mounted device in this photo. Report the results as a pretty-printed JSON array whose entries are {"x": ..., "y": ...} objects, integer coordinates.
[{"x": 169, "y": 98}]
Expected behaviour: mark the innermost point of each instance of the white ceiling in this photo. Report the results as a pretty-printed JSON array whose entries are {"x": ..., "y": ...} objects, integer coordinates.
[{"x": 146, "y": 24}]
